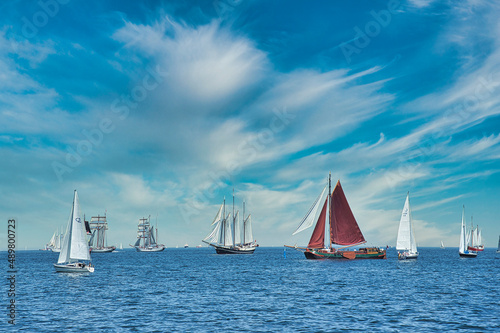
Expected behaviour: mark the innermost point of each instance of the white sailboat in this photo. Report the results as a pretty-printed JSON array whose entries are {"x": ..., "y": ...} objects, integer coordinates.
[
  {"x": 225, "y": 235},
  {"x": 465, "y": 239},
  {"x": 498, "y": 249},
  {"x": 146, "y": 240},
  {"x": 406, "y": 239},
  {"x": 442, "y": 245},
  {"x": 75, "y": 255}
]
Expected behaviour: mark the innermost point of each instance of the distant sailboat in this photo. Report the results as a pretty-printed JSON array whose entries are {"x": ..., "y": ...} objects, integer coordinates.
[
  {"x": 476, "y": 243},
  {"x": 442, "y": 245},
  {"x": 226, "y": 237},
  {"x": 98, "y": 240},
  {"x": 146, "y": 240},
  {"x": 75, "y": 255},
  {"x": 406, "y": 239},
  {"x": 465, "y": 239},
  {"x": 498, "y": 248},
  {"x": 54, "y": 244},
  {"x": 334, "y": 219},
  {"x": 121, "y": 246}
]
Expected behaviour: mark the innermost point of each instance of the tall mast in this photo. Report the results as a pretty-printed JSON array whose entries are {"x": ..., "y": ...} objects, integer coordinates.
[
  {"x": 234, "y": 223},
  {"x": 224, "y": 222},
  {"x": 243, "y": 240},
  {"x": 329, "y": 226}
]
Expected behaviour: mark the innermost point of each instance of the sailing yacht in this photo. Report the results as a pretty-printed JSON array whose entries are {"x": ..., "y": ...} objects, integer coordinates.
[
  {"x": 146, "y": 241},
  {"x": 225, "y": 235},
  {"x": 465, "y": 239},
  {"x": 405, "y": 244},
  {"x": 498, "y": 249},
  {"x": 442, "y": 245},
  {"x": 476, "y": 239},
  {"x": 98, "y": 240},
  {"x": 75, "y": 255},
  {"x": 334, "y": 219}
]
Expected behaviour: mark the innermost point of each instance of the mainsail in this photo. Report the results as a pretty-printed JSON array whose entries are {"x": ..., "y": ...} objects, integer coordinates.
[
  {"x": 406, "y": 237},
  {"x": 463, "y": 234},
  {"x": 74, "y": 245}
]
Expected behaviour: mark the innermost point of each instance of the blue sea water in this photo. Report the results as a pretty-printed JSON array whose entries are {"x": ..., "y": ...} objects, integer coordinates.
[{"x": 195, "y": 290}]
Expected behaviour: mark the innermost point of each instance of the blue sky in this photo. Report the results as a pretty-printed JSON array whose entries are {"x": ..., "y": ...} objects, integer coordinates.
[{"x": 161, "y": 108}]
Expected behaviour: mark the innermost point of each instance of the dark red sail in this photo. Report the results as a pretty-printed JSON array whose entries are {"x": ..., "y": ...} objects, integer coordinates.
[
  {"x": 317, "y": 240},
  {"x": 344, "y": 229}
]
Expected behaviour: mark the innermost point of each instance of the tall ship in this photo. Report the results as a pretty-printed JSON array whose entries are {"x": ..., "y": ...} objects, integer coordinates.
[
  {"x": 334, "y": 225},
  {"x": 75, "y": 254},
  {"x": 405, "y": 243},
  {"x": 476, "y": 243},
  {"x": 226, "y": 235},
  {"x": 98, "y": 239},
  {"x": 147, "y": 238},
  {"x": 465, "y": 240}
]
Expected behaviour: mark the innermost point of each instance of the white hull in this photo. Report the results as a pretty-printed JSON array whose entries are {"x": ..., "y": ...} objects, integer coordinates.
[
  {"x": 150, "y": 249},
  {"x": 407, "y": 255},
  {"x": 103, "y": 250},
  {"x": 73, "y": 268}
]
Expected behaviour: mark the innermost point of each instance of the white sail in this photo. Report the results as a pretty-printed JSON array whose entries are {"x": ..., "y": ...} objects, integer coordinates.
[
  {"x": 218, "y": 217},
  {"x": 75, "y": 246},
  {"x": 313, "y": 213},
  {"x": 52, "y": 242},
  {"x": 212, "y": 237},
  {"x": 237, "y": 231},
  {"x": 406, "y": 238},
  {"x": 228, "y": 236},
  {"x": 247, "y": 226},
  {"x": 463, "y": 234}
]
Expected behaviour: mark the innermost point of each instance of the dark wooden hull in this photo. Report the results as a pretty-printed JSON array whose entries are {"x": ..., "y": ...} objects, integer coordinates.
[
  {"x": 233, "y": 250},
  {"x": 364, "y": 253}
]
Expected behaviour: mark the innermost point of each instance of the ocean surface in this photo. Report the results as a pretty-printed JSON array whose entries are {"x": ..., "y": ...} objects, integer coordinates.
[{"x": 195, "y": 290}]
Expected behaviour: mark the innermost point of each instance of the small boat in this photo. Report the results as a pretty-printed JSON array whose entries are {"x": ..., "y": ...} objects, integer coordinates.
[
  {"x": 405, "y": 244},
  {"x": 334, "y": 219},
  {"x": 121, "y": 246},
  {"x": 75, "y": 254},
  {"x": 498, "y": 248},
  {"x": 465, "y": 239},
  {"x": 442, "y": 245},
  {"x": 54, "y": 244},
  {"x": 98, "y": 240},
  {"x": 146, "y": 241},
  {"x": 186, "y": 245},
  {"x": 226, "y": 236}
]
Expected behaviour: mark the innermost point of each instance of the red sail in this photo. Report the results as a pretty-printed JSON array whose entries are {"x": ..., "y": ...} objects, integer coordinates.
[
  {"x": 317, "y": 240},
  {"x": 344, "y": 229}
]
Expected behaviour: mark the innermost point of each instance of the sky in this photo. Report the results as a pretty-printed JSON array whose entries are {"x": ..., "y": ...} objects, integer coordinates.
[{"x": 162, "y": 108}]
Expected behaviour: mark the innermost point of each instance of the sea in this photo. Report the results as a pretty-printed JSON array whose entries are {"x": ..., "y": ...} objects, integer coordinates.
[{"x": 273, "y": 290}]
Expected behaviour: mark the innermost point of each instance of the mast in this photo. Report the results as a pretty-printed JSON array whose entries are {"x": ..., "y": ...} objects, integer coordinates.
[
  {"x": 243, "y": 240},
  {"x": 329, "y": 215},
  {"x": 234, "y": 223},
  {"x": 224, "y": 223}
]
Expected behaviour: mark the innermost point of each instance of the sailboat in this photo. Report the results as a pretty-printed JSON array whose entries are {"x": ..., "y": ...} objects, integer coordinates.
[
  {"x": 146, "y": 240},
  {"x": 498, "y": 248},
  {"x": 406, "y": 239},
  {"x": 98, "y": 241},
  {"x": 442, "y": 245},
  {"x": 476, "y": 239},
  {"x": 465, "y": 239},
  {"x": 75, "y": 255},
  {"x": 225, "y": 235},
  {"x": 334, "y": 219}
]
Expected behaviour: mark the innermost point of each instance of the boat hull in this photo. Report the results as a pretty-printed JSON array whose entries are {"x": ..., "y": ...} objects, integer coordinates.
[
  {"x": 150, "y": 249},
  {"x": 364, "y": 253},
  {"x": 468, "y": 254},
  {"x": 234, "y": 250},
  {"x": 73, "y": 268},
  {"x": 103, "y": 250},
  {"x": 407, "y": 255},
  {"x": 479, "y": 248}
]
